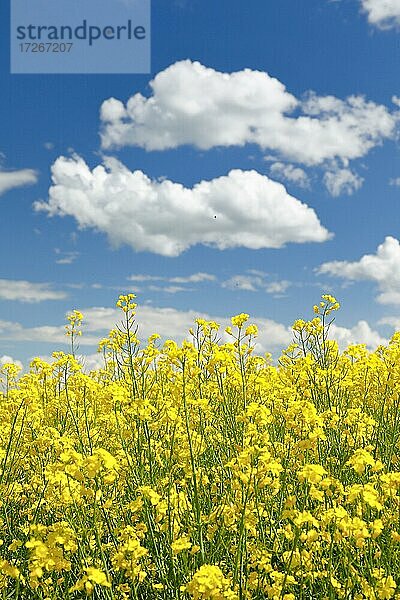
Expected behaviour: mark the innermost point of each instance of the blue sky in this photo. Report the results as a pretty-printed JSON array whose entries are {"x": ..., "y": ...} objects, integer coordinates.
[{"x": 254, "y": 169}]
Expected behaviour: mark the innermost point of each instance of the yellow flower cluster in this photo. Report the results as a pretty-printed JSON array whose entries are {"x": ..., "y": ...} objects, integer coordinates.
[{"x": 202, "y": 471}]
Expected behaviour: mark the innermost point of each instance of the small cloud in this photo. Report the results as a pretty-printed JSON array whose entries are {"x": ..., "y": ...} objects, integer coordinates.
[
  {"x": 48, "y": 145},
  {"x": 256, "y": 281},
  {"x": 270, "y": 158},
  {"x": 5, "y": 360},
  {"x": 247, "y": 283},
  {"x": 170, "y": 289},
  {"x": 257, "y": 272},
  {"x": 167, "y": 281},
  {"x": 14, "y": 179},
  {"x": 396, "y": 100},
  {"x": 290, "y": 173},
  {"x": 342, "y": 181},
  {"x": 65, "y": 258},
  {"x": 145, "y": 278},
  {"x": 195, "y": 278},
  {"x": 277, "y": 287},
  {"x": 26, "y": 291},
  {"x": 395, "y": 181}
]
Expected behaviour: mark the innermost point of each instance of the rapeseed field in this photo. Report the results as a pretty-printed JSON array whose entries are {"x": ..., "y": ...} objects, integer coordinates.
[{"x": 202, "y": 471}]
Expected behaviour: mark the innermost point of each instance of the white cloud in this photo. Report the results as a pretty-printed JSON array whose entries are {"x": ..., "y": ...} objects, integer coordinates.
[
  {"x": 254, "y": 281},
  {"x": 175, "y": 324},
  {"x": 361, "y": 333},
  {"x": 247, "y": 283},
  {"x": 171, "y": 323},
  {"x": 145, "y": 278},
  {"x": 170, "y": 289},
  {"x": 89, "y": 362},
  {"x": 92, "y": 362},
  {"x": 289, "y": 172},
  {"x": 395, "y": 181},
  {"x": 241, "y": 209},
  {"x": 26, "y": 291},
  {"x": 392, "y": 321},
  {"x": 389, "y": 297},
  {"x": 164, "y": 283},
  {"x": 14, "y": 179},
  {"x": 4, "y": 360},
  {"x": 382, "y": 13},
  {"x": 10, "y": 330},
  {"x": 277, "y": 287},
  {"x": 65, "y": 258},
  {"x": 244, "y": 107},
  {"x": 96, "y": 322},
  {"x": 342, "y": 181},
  {"x": 194, "y": 278},
  {"x": 383, "y": 268},
  {"x": 273, "y": 337}
]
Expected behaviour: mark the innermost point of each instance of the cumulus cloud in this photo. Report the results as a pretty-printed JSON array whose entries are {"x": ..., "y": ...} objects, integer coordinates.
[
  {"x": 96, "y": 322},
  {"x": 244, "y": 107},
  {"x": 382, "y": 13},
  {"x": 15, "y": 179},
  {"x": 273, "y": 336},
  {"x": 241, "y": 209},
  {"x": 383, "y": 268},
  {"x": 90, "y": 361},
  {"x": 175, "y": 324},
  {"x": 16, "y": 332},
  {"x": 171, "y": 323},
  {"x": 291, "y": 173},
  {"x": 5, "y": 360},
  {"x": 361, "y": 333},
  {"x": 342, "y": 181},
  {"x": 26, "y": 291}
]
